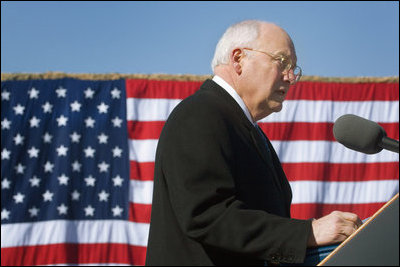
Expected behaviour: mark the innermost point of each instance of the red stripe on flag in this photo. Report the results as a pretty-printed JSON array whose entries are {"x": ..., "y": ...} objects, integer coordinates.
[
  {"x": 160, "y": 89},
  {"x": 285, "y": 131},
  {"x": 291, "y": 131},
  {"x": 318, "y": 210},
  {"x": 298, "y": 131},
  {"x": 139, "y": 213},
  {"x": 305, "y": 171},
  {"x": 301, "y": 91},
  {"x": 73, "y": 254},
  {"x": 341, "y": 172},
  {"x": 145, "y": 129},
  {"x": 143, "y": 171},
  {"x": 344, "y": 91}
]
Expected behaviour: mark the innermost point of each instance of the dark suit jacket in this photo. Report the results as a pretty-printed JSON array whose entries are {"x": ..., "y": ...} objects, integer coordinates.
[{"x": 219, "y": 198}]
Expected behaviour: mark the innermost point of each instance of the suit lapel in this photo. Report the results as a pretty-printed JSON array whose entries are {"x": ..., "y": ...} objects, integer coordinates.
[
  {"x": 284, "y": 182},
  {"x": 241, "y": 117},
  {"x": 266, "y": 156},
  {"x": 279, "y": 175},
  {"x": 271, "y": 159},
  {"x": 260, "y": 146}
]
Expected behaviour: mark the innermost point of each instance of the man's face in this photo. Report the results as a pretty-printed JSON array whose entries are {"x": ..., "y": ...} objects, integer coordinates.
[{"x": 263, "y": 86}]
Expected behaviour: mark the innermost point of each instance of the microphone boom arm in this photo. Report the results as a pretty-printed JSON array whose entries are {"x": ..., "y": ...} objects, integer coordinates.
[{"x": 389, "y": 144}]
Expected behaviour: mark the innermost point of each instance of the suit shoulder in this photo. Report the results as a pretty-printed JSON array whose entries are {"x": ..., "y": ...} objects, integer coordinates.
[{"x": 205, "y": 104}]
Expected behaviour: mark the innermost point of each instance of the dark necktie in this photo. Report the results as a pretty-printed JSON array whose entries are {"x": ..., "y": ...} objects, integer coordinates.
[
  {"x": 265, "y": 140},
  {"x": 273, "y": 167}
]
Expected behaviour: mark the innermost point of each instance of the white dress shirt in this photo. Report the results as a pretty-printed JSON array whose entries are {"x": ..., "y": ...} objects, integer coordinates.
[{"x": 221, "y": 82}]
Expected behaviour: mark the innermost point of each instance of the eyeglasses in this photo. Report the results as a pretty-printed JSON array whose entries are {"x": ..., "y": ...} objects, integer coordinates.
[{"x": 286, "y": 65}]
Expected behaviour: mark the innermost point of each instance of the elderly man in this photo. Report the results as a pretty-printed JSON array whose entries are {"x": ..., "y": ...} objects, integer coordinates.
[{"x": 220, "y": 194}]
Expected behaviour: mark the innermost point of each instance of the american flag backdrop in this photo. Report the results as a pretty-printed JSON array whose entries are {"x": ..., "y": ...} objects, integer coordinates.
[{"x": 77, "y": 159}]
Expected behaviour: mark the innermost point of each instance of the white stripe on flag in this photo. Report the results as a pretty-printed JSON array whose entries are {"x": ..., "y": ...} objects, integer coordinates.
[
  {"x": 142, "y": 150},
  {"x": 288, "y": 152},
  {"x": 145, "y": 109},
  {"x": 141, "y": 192},
  {"x": 62, "y": 231},
  {"x": 343, "y": 192},
  {"x": 330, "y": 111},
  {"x": 326, "y": 151}
]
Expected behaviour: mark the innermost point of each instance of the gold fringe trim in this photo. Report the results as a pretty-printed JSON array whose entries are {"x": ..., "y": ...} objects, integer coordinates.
[
  {"x": 176, "y": 77},
  {"x": 108, "y": 76}
]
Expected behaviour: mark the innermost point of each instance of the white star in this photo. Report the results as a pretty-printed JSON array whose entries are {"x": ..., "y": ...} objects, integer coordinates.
[
  {"x": 5, "y": 214},
  {"x": 90, "y": 181},
  {"x": 5, "y": 95},
  {"x": 103, "y": 167},
  {"x": 47, "y": 138},
  {"x": 19, "y": 168},
  {"x": 33, "y": 211},
  {"x": 75, "y": 137},
  {"x": 33, "y": 152},
  {"x": 19, "y": 139},
  {"x": 62, "y": 209},
  {"x": 48, "y": 196},
  {"x": 34, "y": 181},
  {"x": 117, "y": 152},
  {"x": 62, "y": 120},
  {"x": 19, "y": 198},
  {"x": 117, "y": 211},
  {"x": 33, "y": 93},
  {"x": 5, "y": 183},
  {"x": 19, "y": 109},
  {"x": 5, "y": 154},
  {"x": 76, "y": 166},
  {"x": 103, "y": 196},
  {"x": 76, "y": 106},
  {"x": 5, "y": 124},
  {"x": 89, "y": 93},
  {"x": 62, "y": 150},
  {"x": 102, "y": 138},
  {"x": 61, "y": 92},
  {"x": 48, "y": 167},
  {"x": 115, "y": 93},
  {"x": 89, "y": 211},
  {"x": 117, "y": 180},
  {"x": 117, "y": 122},
  {"x": 102, "y": 108},
  {"x": 89, "y": 122},
  {"x": 47, "y": 107},
  {"x": 63, "y": 179},
  {"x": 89, "y": 152},
  {"x": 34, "y": 122},
  {"x": 75, "y": 195}
]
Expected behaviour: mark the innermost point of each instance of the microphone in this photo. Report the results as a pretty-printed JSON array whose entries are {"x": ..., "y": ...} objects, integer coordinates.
[{"x": 363, "y": 135}]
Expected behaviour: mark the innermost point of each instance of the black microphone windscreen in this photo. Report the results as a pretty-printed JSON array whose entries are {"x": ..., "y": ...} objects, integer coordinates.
[{"x": 358, "y": 133}]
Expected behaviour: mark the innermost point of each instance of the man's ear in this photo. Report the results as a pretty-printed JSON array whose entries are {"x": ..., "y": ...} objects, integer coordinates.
[{"x": 236, "y": 60}]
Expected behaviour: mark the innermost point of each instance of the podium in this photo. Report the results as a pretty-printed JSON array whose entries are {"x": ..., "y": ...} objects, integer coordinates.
[{"x": 376, "y": 242}]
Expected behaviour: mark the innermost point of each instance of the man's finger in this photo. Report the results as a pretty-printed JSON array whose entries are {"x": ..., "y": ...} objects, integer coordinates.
[{"x": 352, "y": 217}]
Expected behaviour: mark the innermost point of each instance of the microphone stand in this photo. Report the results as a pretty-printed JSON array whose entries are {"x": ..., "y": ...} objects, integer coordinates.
[{"x": 389, "y": 144}]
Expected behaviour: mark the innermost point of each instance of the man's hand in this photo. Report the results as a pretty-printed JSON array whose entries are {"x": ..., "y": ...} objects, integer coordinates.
[{"x": 333, "y": 228}]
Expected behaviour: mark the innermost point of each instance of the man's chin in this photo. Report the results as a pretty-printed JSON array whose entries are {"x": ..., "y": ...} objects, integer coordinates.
[{"x": 277, "y": 108}]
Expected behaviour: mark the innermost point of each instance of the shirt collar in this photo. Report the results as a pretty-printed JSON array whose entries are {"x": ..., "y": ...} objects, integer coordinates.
[{"x": 221, "y": 82}]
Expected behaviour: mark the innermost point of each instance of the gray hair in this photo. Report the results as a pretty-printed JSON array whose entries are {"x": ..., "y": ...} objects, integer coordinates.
[{"x": 238, "y": 35}]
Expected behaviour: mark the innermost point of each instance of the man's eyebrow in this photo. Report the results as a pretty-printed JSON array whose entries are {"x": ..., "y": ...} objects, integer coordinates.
[
  {"x": 283, "y": 54},
  {"x": 280, "y": 54}
]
